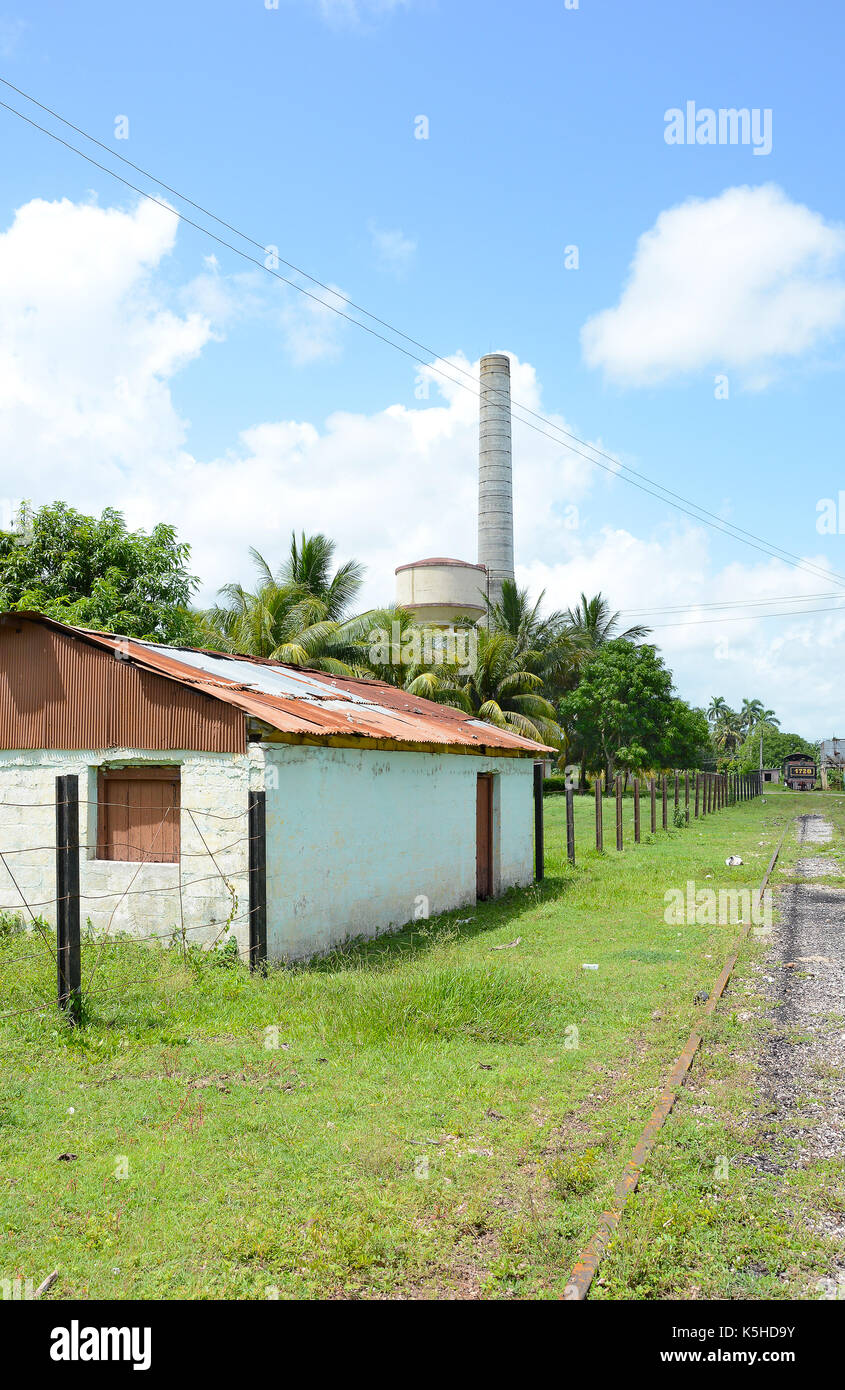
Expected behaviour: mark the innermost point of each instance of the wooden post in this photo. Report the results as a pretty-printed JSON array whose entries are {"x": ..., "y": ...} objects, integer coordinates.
[
  {"x": 686, "y": 796},
  {"x": 257, "y": 820},
  {"x": 599, "y": 825},
  {"x": 570, "y": 826},
  {"x": 68, "y": 954},
  {"x": 677, "y": 787},
  {"x": 652, "y": 786},
  {"x": 618, "y": 811},
  {"x": 697, "y": 792},
  {"x": 636, "y": 810},
  {"x": 665, "y": 807}
]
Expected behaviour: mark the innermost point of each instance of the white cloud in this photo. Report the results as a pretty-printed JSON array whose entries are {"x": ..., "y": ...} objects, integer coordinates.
[
  {"x": 393, "y": 250},
  {"x": 311, "y": 326},
  {"x": 737, "y": 655},
  {"x": 744, "y": 280},
  {"x": 11, "y": 33},
  {"x": 89, "y": 348},
  {"x": 352, "y": 11}
]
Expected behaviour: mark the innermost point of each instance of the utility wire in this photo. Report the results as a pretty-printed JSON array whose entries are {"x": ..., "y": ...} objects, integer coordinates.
[
  {"x": 728, "y": 603},
  {"x": 384, "y": 323},
  {"x": 751, "y": 617},
  {"x": 701, "y": 514}
]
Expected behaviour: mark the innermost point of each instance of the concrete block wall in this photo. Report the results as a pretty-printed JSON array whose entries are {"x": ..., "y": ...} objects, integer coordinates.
[
  {"x": 214, "y": 787},
  {"x": 357, "y": 839}
]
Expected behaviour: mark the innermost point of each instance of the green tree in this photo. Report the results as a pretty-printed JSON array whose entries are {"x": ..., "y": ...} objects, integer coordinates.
[
  {"x": 296, "y": 615},
  {"x": 687, "y": 742},
  {"x": 776, "y": 747},
  {"x": 622, "y": 699},
  {"x": 92, "y": 572}
]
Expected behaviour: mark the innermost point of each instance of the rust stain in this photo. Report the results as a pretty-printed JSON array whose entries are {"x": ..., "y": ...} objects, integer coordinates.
[{"x": 63, "y": 687}]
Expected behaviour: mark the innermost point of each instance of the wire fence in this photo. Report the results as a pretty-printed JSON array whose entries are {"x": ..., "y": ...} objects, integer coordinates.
[
  {"x": 680, "y": 797},
  {"x": 72, "y": 881},
  {"x": 75, "y": 966}
]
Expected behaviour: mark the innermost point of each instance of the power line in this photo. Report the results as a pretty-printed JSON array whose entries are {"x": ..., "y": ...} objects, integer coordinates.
[
  {"x": 751, "y": 617},
  {"x": 728, "y": 603},
  {"x": 618, "y": 469}
]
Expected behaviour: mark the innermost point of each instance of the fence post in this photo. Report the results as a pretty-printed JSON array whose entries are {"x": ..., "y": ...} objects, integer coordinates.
[
  {"x": 686, "y": 796},
  {"x": 68, "y": 957},
  {"x": 677, "y": 786},
  {"x": 665, "y": 807},
  {"x": 570, "y": 825},
  {"x": 636, "y": 810},
  {"x": 599, "y": 824},
  {"x": 618, "y": 810},
  {"x": 652, "y": 786},
  {"x": 697, "y": 792},
  {"x": 257, "y": 881}
]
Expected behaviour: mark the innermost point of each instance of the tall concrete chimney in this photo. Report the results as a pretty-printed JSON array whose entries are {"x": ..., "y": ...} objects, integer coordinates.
[{"x": 495, "y": 474}]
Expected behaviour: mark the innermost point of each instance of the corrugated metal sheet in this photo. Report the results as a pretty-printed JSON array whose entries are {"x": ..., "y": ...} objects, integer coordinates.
[
  {"x": 294, "y": 701},
  {"x": 58, "y": 689}
]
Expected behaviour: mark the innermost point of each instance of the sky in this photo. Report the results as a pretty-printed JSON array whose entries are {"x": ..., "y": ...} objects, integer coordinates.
[{"x": 482, "y": 177}]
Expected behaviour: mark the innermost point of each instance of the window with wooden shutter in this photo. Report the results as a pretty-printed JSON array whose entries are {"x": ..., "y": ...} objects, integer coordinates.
[{"x": 138, "y": 814}]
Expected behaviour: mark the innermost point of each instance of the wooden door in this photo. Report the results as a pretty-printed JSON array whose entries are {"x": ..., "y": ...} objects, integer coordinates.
[{"x": 484, "y": 836}]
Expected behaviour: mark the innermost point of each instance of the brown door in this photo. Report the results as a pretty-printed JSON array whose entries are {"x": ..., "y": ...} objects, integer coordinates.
[{"x": 484, "y": 836}]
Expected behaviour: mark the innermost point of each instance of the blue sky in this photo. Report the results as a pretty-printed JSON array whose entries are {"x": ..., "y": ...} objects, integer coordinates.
[{"x": 209, "y": 395}]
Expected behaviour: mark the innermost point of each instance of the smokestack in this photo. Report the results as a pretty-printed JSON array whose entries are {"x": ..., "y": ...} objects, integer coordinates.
[{"x": 495, "y": 480}]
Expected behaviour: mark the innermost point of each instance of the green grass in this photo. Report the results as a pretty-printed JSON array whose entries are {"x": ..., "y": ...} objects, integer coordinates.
[
  {"x": 440, "y": 1117},
  {"x": 726, "y": 1208}
]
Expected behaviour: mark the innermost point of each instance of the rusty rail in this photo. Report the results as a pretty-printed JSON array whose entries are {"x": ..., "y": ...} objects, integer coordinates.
[{"x": 585, "y": 1267}]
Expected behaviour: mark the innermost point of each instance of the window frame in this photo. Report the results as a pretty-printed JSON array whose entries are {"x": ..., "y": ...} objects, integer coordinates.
[{"x": 137, "y": 772}]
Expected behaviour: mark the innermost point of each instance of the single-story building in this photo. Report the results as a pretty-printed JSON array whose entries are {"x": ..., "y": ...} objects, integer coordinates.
[
  {"x": 373, "y": 807},
  {"x": 771, "y": 774}
]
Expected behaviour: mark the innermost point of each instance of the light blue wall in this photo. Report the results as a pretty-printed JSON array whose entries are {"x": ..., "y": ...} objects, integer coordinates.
[{"x": 356, "y": 840}]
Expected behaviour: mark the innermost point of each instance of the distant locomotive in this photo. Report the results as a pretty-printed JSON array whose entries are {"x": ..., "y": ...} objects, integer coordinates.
[{"x": 800, "y": 772}]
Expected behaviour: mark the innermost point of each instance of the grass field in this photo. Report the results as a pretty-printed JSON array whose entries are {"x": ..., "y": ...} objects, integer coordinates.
[
  {"x": 728, "y": 1207},
  {"x": 445, "y": 1113}
]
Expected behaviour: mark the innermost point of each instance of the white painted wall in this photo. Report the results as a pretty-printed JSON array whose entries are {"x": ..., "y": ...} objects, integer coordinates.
[
  {"x": 356, "y": 838},
  {"x": 214, "y": 787}
]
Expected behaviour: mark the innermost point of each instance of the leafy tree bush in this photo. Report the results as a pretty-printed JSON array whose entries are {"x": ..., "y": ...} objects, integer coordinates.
[{"x": 93, "y": 572}]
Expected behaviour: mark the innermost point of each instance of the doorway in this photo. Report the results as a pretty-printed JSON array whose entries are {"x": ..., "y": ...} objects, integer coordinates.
[{"x": 484, "y": 836}]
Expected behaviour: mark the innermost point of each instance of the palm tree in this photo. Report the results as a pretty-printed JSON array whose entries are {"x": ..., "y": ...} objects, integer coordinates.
[
  {"x": 750, "y": 715},
  {"x": 593, "y": 620},
  {"x": 293, "y": 616},
  {"x": 503, "y": 691},
  {"x": 717, "y": 709},
  {"x": 308, "y": 567},
  {"x": 546, "y": 643}
]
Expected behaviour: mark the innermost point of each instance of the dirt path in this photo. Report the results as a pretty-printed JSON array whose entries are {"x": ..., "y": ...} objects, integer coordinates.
[{"x": 801, "y": 1065}]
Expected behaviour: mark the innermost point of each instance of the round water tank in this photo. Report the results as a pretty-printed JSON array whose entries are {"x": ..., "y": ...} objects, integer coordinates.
[{"x": 441, "y": 591}]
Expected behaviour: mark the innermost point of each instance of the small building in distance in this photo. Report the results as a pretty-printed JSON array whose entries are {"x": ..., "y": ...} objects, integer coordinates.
[
  {"x": 831, "y": 759},
  {"x": 771, "y": 774},
  {"x": 800, "y": 772}
]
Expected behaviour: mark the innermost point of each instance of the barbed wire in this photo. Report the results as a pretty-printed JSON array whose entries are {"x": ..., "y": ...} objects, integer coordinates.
[{"x": 81, "y": 801}]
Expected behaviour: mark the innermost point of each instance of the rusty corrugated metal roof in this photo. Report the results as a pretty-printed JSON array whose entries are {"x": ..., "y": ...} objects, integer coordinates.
[{"x": 300, "y": 702}]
